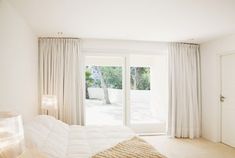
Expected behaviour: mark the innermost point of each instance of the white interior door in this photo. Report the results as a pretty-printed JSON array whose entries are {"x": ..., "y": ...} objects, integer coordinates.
[{"x": 228, "y": 99}]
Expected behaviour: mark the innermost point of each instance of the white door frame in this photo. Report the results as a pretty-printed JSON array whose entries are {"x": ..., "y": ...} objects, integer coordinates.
[{"x": 143, "y": 128}]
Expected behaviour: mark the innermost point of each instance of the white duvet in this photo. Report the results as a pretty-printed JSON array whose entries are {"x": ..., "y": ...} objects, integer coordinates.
[{"x": 58, "y": 140}]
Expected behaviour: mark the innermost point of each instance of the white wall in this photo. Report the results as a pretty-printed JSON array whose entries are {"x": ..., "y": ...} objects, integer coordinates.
[
  {"x": 210, "y": 53},
  {"x": 122, "y": 46},
  {"x": 18, "y": 64}
]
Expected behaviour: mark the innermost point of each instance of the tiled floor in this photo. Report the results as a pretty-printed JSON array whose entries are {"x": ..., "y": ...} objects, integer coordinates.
[{"x": 186, "y": 148}]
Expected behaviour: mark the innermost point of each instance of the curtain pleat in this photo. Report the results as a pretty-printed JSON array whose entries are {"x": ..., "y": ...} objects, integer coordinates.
[
  {"x": 59, "y": 75},
  {"x": 184, "y": 118}
]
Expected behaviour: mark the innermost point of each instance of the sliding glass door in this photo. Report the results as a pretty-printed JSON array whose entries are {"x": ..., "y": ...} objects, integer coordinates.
[{"x": 129, "y": 90}]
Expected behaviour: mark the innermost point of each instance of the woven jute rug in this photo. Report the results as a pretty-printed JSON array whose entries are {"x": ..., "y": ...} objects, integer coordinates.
[{"x": 133, "y": 148}]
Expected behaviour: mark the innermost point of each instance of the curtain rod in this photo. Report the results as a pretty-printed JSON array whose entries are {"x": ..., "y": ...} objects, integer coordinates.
[
  {"x": 58, "y": 37},
  {"x": 190, "y": 43},
  {"x": 80, "y": 38}
]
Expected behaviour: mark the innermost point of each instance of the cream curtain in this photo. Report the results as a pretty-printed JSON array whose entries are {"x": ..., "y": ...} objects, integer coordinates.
[
  {"x": 184, "y": 91},
  {"x": 59, "y": 75}
]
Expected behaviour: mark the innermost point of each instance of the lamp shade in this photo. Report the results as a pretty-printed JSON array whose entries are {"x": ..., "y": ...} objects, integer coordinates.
[
  {"x": 11, "y": 135},
  {"x": 49, "y": 102}
]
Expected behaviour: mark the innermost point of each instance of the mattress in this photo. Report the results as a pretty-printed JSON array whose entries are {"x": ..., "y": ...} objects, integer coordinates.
[{"x": 56, "y": 139}]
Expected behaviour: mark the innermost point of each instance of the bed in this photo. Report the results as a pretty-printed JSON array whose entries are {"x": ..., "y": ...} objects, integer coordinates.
[{"x": 56, "y": 139}]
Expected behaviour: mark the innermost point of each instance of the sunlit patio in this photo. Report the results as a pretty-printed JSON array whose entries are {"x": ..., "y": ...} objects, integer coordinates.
[{"x": 98, "y": 113}]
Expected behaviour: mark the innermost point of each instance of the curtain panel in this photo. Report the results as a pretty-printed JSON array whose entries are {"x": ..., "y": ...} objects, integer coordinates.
[
  {"x": 59, "y": 76},
  {"x": 184, "y": 118}
]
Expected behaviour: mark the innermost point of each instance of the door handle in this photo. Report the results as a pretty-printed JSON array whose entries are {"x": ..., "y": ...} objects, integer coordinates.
[{"x": 222, "y": 98}]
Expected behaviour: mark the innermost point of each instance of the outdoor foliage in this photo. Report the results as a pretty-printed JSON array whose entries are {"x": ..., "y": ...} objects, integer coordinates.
[
  {"x": 89, "y": 79},
  {"x": 140, "y": 78},
  {"x": 112, "y": 76},
  {"x": 89, "y": 82}
]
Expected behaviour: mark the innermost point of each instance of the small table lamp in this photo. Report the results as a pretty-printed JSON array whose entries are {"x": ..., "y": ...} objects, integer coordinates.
[
  {"x": 49, "y": 102},
  {"x": 11, "y": 135}
]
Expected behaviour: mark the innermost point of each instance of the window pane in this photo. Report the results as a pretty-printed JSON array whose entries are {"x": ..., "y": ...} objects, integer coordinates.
[
  {"x": 141, "y": 109},
  {"x": 104, "y": 95},
  {"x": 140, "y": 78},
  {"x": 148, "y": 89}
]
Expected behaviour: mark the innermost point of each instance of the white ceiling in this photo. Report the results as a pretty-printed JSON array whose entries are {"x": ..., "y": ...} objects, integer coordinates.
[{"x": 149, "y": 20}]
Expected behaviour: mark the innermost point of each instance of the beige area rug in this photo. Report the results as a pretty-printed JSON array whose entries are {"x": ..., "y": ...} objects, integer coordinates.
[{"x": 133, "y": 148}]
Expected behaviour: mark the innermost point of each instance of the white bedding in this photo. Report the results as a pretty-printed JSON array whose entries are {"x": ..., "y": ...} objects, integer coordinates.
[{"x": 58, "y": 140}]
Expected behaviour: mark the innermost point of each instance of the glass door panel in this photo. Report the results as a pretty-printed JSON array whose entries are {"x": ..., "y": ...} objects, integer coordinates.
[
  {"x": 104, "y": 91},
  {"x": 140, "y": 96},
  {"x": 148, "y": 93}
]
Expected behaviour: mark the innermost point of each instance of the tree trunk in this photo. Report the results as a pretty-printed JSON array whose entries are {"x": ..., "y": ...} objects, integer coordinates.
[
  {"x": 106, "y": 92},
  {"x": 137, "y": 76},
  {"x": 87, "y": 93},
  {"x": 104, "y": 86},
  {"x": 134, "y": 80}
]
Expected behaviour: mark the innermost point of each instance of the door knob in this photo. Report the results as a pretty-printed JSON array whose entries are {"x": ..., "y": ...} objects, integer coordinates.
[{"x": 222, "y": 98}]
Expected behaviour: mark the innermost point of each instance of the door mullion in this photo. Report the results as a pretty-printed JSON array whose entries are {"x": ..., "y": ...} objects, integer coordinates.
[{"x": 127, "y": 90}]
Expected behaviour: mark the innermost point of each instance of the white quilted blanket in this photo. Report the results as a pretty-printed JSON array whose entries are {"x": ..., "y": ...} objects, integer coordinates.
[{"x": 58, "y": 140}]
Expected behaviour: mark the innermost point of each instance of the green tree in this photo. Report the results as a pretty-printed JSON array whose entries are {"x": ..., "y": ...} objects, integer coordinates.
[
  {"x": 140, "y": 78},
  {"x": 89, "y": 82},
  {"x": 112, "y": 76},
  {"x": 103, "y": 84},
  {"x": 104, "y": 77}
]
